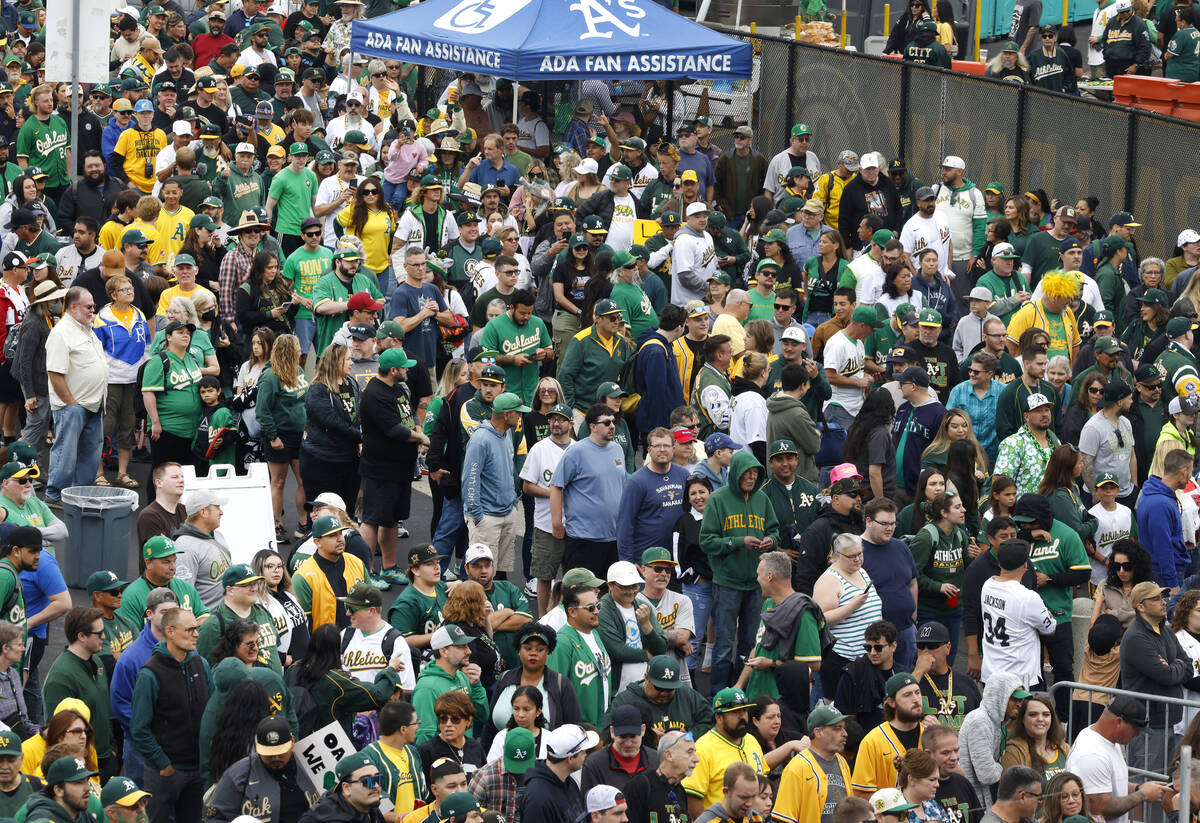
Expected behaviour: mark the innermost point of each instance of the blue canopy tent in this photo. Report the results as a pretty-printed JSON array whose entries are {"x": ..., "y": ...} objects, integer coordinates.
[{"x": 537, "y": 40}]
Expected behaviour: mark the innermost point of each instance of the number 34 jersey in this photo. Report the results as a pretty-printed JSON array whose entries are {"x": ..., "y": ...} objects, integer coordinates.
[{"x": 1013, "y": 617}]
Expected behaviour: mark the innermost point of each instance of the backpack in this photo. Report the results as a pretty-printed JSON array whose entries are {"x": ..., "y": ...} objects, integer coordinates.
[
  {"x": 909, "y": 539},
  {"x": 937, "y": 189},
  {"x": 308, "y": 714},
  {"x": 11, "y": 341},
  {"x": 627, "y": 379},
  {"x": 387, "y": 647}
]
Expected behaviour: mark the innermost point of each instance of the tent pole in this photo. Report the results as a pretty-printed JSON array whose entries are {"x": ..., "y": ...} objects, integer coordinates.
[{"x": 516, "y": 88}]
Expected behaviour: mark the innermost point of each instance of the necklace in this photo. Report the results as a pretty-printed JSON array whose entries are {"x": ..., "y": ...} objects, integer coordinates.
[{"x": 945, "y": 698}]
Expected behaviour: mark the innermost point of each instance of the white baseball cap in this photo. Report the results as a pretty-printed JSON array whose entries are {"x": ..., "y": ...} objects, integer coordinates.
[
  {"x": 953, "y": 161},
  {"x": 569, "y": 739},
  {"x": 603, "y": 797},
  {"x": 182, "y": 127},
  {"x": 871, "y": 160},
  {"x": 197, "y": 499},
  {"x": 698, "y": 207},
  {"x": 243, "y": 148},
  {"x": 1036, "y": 401},
  {"x": 1187, "y": 236},
  {"x": 794, "y": 333},
  {"x": 623, "y": 573},
  {"x": 478, "y": 551},
  {"x": 587, "y": 166},
  {"x": 1122, "y": 5}
]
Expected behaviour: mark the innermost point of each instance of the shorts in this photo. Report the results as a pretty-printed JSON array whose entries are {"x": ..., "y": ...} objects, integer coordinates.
[
  {"x": 547, "y": 555},
  {"x": 120, "y": 413},
  {"x": 289, "y": 452},
  {"x": 385, "y": 502},
  {"x": 10, "y": 389},
  {"x": 305, "y": 328}
]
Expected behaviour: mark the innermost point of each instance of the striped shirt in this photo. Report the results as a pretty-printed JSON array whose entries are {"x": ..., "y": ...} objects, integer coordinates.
[{"x": 848, "y": 634}]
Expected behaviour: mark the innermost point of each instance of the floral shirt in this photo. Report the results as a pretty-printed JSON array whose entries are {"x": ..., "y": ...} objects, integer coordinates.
[
  {"x": 1024, "y": 459},
  {"x": 933, "y": 811}
]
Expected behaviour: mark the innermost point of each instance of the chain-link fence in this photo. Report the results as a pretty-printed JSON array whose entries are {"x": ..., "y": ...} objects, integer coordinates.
[{"x": 1023, "y": 137}]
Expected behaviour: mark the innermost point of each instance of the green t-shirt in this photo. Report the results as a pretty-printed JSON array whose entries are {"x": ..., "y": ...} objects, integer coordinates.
[
  {"x": 1064, "y": 552},
  {"x": 293, "y": 193},
  {"x": 505, "y": 595},
  {"x": 200, "y": 348},
  {"x": 330, "y": 287},
  {"x": 635, "y": 306},
  {"x": 1184, "y": 48},
  {"x": 761, "y": 308},
  {"x": 807, "y": 649},
  {"x": 303, "y": 269},
  {"x": 45, "y": 145},
  {"x": 478, "y": 316},
  {"x": 178, "y": 392},
  {"x": 502, "y": 334},
  {"x": 10, "y": 585},
  {"x": 34, "y": 512}
]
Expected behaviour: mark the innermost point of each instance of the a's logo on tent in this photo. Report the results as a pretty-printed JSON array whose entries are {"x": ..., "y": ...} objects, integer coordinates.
[
  {"x": 478, "y": 16},
  {"x": 600, "y": 12}
]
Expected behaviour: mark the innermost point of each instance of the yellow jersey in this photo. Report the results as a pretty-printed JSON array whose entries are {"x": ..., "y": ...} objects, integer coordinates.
[
  {"x": 715, "y": 753},
  {"x": 139, "y": 148}
]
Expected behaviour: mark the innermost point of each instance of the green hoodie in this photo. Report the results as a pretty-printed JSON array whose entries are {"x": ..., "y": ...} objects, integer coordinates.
[
  {"x": 730, "y": 516},
  {"x": 615, "y": 638},
  {"x": 239, "y": 191},
  {"x": 227, "y": 675},
  {"x": 41, "y": 808},
  {"x": 432, "y": 684},
  {"x": 940, "y": 558}
]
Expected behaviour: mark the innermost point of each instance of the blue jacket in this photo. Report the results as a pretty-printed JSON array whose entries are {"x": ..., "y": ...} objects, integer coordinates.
[
  {"x": 938, "y": 295},
  {"x": 650, "y": 507},
  {"x": 125, "y": 671},
  {"x": 109, "y": 137},
  {"x": 488, "y": 486},
  {"x": 1160, "y": 530},
  {"x": 656, "y": 378}
]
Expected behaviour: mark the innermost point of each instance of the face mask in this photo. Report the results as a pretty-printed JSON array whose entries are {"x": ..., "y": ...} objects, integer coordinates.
[
  {"x": 209, "y": 316},
  {"x": 55, "y": 310},
  {"x": 1025, "y": 534}
]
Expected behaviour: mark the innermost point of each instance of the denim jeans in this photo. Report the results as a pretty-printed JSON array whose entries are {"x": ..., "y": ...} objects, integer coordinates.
[
  {"x": 395, "y": 194},
  {"x": 906, "y": 648},
  {"x": 75, "y": 455},
  {"x": 735, "y": 620},
  {"x": 449, "y": 527},
  {"x": 387, "y": 283},
  {"x": 305, "y": 328},
  {"x": 134, "y": 764},
  {"x": 37, "y": 423},
  {"x": 701, "y": 595}
]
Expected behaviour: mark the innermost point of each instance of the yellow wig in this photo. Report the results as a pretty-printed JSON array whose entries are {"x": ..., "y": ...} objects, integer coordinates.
[{"x": 1058, "y": 283}]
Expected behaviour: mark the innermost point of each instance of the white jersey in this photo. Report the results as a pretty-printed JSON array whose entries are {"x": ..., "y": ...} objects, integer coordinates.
[
  {"x": 539, "y": 468},
  {"x": 1013, "y": 617},
  {"x": 643, "y": 177},
  {"x": 928, "y": 233},
  {"x": 251, "y": 58},
  {"x": 868, "y": 278},
  {"x": 329, "y": 191},
  {"x": 961, "y": 209},
  {"x": 693, "y": 261},
  {"x": 1114, "y": 525},
  {"x": 620, "y": 230},
  {"x": 71, "y": 262},
  {"x": 848, "y": 358},
  {"x": 781, "y": 164},
  {"x": 365, "y": 655}
]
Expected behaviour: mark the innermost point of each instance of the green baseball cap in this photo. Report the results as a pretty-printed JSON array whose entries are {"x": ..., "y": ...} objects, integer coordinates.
[
  {"x": 68, "y": 770},
  {"x": 882, "y": 237},
  {"x": 766, "y": 263},
  {"x": 507, "y": 402},
  {"x": 120, "y": 791},
  {"x": 351, "y": 763},
  {"x": 1156, "y": 297},
  {"x": 868, "y": 315},
  {"x": 897, "y": 682},
  {"x": 1021, "y": 693},
  {"x": 458, "y": 805},
  {"x": 775, "y": 236},
  {"x": 782, "y": 447},
  {"x": 562, "y": 410},
  {"x": 135, "y": 237},
  {"x": 449, "y": 634},
  {"x": 720, "y": 277},
  {"x": 325, "y": 156},
  {"x": 619, "y": 171},
  {"x": 389, "y": 328},
  {"x": 184, "y": 259},
  {"x": 823, "y": 716},
  {"x": 657, "y": 554},
  {"x": 928, "y": 317},
  {"x": 239, "y": 574},
  {"x": 605, "y": 307},
  {"x": 730, "y": 700},
  {"x": 1105, "y": 478},
  {"x": 668, "y": 219},
  {"x": 298, "y": 148},
  {"x": 800, "y": 129},
  {"x": 493, "y": 374},
  {"x": 395, "y": 358},
  {"x": 10, "y": 744},
  {"x": 326, "y": 525},
  {"x": 663, "y": 671},
  {"x": 622, "y": 258},
  {"x": 158, "y": 547},
  {"x": 520, "y": 752},
  {"x": 610, "y": 389},
  {"x": 791, "y": 204},
  {"x": 363, "y": 596},
  {"x": 103, "y": 581},
  {"x": 581, "y": 577},
  {"x": 200, "y": 221}
]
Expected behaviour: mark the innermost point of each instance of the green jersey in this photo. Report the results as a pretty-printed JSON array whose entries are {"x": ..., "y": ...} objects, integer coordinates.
[
  {"x": 303, "y": 269},
  {"x": 12, "y": 598},
  {"x": 505, "y": 595},
  {"x": 268, "y": 639},
  {"x": 502, "y": 334},
  {"x": 1062, "y": 552},
  {"x": 806, "y": 649},
  {"x": 45, "y": 144},
  {"x": 1184, "y": 61},
  {"x": 331, "y": 288},
  {"x": 1181, "y": 369},
  {"x": 761, "y": 308},
  {"x": 118, "y": 633},
  {"x": 417, "y": 613},
  {"x": 177, "y": 392},
  {"x": 635, "y": 307},
  {"x": 44, "y": 243},
  {"x": 133, "y": 603},
  {"x": 240, "y": 192},
  {"x": 293, "y": 193},
  {"x": 200, "y": 348},
  {"x": 464, "y": 261}
]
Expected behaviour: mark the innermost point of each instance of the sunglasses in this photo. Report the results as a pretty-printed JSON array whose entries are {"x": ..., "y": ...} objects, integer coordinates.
[
  {"x": 1095, "y": 390},
  {"x": 380, "y": 74},
  {"x": 929, "y": 646},
  {"x": 1120, "y": 439},
  {"x": 24, "y": 481},
  {"x": 1123, "y": 567},
  {"x": 316, "y": 233},
  {"x": 783, "y": 307},
  {"x": 369, "y": 782},
  {"x": 874, "y": 647},
  {"x": 450, "y": 718},
  {"x": 590, "y": 608},
  {"x": 974, "y": 372}
]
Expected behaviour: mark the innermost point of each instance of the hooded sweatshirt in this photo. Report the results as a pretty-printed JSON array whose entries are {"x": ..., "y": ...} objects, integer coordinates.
[
  {"x": 333, "y": 808},
  {"x": 40, "y": 807},
  {"x": 432, "y": 684},
  {"x": 488, "y": 485},
  {"x": 981, "y": 737},
  {"x": 548, "y": 799},
  {"x": 1160, "y": 530},
  {"x": 730, "y": 516},
  {"x": 228, "y": 675},
  {"x": 201, "y": 561},
  {"x": 789, "y": 419}
]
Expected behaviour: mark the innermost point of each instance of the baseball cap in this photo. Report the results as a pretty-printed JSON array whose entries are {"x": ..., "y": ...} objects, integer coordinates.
[
  {"x": 363, "y": 596},
  {"x": 1107, "y": 345},
  {"x": 897, "y": 682},
  {"x": 195, "y": 500},
  {"x": 1130, "y": 710},
  {"x": 562, "y": 410},
  {"x": 1187, "y": 236},
  {"x": 882, "y": 237},
  {"x": 363, "y": 300},
  {"x": 478, "y": 551},
  {"x": 868, "y": 315},
  {"x": 569, "y": 739},
  {"x": 603, "y": 797},
  {"x": 239, "y": 574},
  {"x": 782, "y": 447},
  {"x": 361, "y": 331},
  {"x": 926, "y": 193},
  {"x": 717, "y": 441},
  {"x": 1147, "y": 373},
  {"x": 800, "y": 129},
  {"x": 870, "y": 160},
  {"x": 424, "y": 554},
  {"x": 1036, "y": 401},
  {"x": 682, "y": 434},
  {"x": 729, "y": 700},
  {"x": 448, "y": 635},
  {"x": 520, "y": 751},
  {"x": 890, "y": 801},
  {"x": 1157, "y": 297},
  {"x": 1179, "y": 326},
  {"x": 493, "y": 374},
  {"x": 10, "y": 744},
  {"x": 980, "y": 293},
  {"x": 823, "y": 716},
  {"x": 929, "y": 317},
  {"x": 68, "y": 770},
  {"x": 273, "y": 736},
  {"x": 1107, "y": 478},
  {"x": 664, "y": 673},
  {"x": 142, "y": 106},
  {"x": 155, "y": 548},
  {"x": 611, "y": 389},
  {"x": 104, "y": 581},
  {"x": 1005, "y": 250},
  {"x": 933, "y": 632},
  {"x": 794, "y": 333},
  {"x": 389, "y": 328},
  {"x": 849, "y": 159},
  {"x": 699, "y": 207},
  {"x": 326, "y": 525},
  {"x": 916, "y": 375},
  {"x": 581, "y": 577},
  {"x": 351, "y": 763},
  {"x": 953, "y": 161},
  {"x": 1146, "y": 590},
  {"x": 657, "y": 554},
  {"x": 626, "y": 719},
  {"x": 623, "y": 573},
  {"x": 604, "y": 307},
  {"x": 1114, "y": 391},
  {"x": 1183, "y": 405},
  {"x": 326, "y": 499},
  {"x": 509, "y": 402},
  {"x": 1123, "y": 218}
]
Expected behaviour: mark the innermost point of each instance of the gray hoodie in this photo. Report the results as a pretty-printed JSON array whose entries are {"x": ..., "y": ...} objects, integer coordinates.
[
  {"x": 693, "y": 261},
  {"x": 201, "y": 561},
  {"x": 980, "y": 739}
]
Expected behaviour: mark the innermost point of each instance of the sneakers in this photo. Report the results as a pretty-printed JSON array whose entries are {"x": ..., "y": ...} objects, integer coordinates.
[
  {"x": 281, "y": 535},
  {"x": 378, "y": 582},
  {"x": 531, "y": 590},
  {"x": 422, "y": 466},
  {"x": 401, "y": 532},
  {"x": 394, "y": 575},
  {"x": 302, "y": 530},
  {"x": 452, "y": 572}
]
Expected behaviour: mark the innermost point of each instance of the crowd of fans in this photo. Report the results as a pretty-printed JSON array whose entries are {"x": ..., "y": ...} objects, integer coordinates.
[{"x": 730, "y": 453}]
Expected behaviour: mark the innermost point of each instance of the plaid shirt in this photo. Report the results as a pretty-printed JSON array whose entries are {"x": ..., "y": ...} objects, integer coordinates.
[
  {"x": 235, "y": 270},
  {"x": 497, "y": 790}
]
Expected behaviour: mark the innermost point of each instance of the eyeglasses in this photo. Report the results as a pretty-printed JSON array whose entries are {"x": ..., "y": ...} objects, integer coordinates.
[
  {"x": 368, "y": 782},
  {"x": 1123, "y": 567},
  {"x": 77, "y": 730},
  {"x": 887, "y": 524},
  {"x": 593, "y": 607},
  {"x": 252, "y": 645},
  {"x": 874, "y": 647},
  {"x": 189, "y": 630},
  {"x": 1033, "y": 796},
  {"x": 547, "y": 390},
  {"x": 858, "y": 556}
]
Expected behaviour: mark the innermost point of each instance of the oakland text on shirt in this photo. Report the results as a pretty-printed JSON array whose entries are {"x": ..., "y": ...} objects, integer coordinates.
[
  {"x": 585, "y": 672},
  {"x": 520, "y": 343},
  {"x": 745, "y": 520},
  {"x": 1044, "y": 551},
  {"x": 667, "y": 619}
]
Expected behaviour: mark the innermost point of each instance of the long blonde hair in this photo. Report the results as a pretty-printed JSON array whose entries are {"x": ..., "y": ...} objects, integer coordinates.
[
  {"x": 329, "y": 367},
  {"x": 941, "y": 441},
  {"x": 285, "y": 360},
  {"x": 450, "y": 376}
]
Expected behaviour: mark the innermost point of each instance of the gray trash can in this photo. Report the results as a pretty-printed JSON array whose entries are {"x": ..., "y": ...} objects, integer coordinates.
[{"x": 99, "y": 521}]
